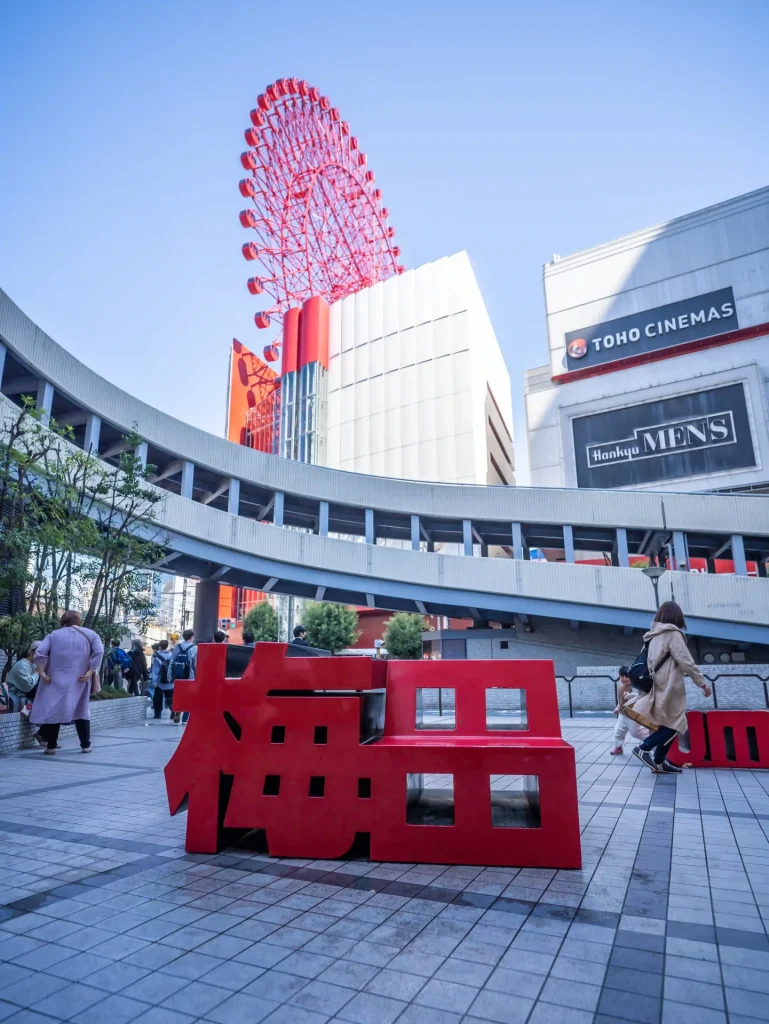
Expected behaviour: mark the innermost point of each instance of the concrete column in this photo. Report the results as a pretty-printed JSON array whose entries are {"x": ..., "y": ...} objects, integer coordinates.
[
  {"x": 622, "y": 550},
  {"x": 280, "y": 504},
  {"x": 188, "y": 479},
  {"x": 323, "y": 519},
  {"x": 141, "y": 453},
  {"x": 370, "y": 530},
  {"x": 467, "y": 537},
  {"x": 45, "y": 400},
  {"x": 3, "y": 351},
  {"x": 738, "y": 555},
  {"x": 233, "y": 497},
  {"x": 92, "y": 432},
  {"x": 206, "y": 620},
  {"x": 568, "y": 544},
  {"x": 679, "y": 550},
  {"x": 415, "y": 533},
  {"x": 518, "y": 541}
]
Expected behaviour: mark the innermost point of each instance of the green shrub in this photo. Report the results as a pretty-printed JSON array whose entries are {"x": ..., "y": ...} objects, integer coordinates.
[
  {"x": 330, "y": 626},
  {"x": 262, "y": 620},
  {"x": 403, "y": 635},
  {"x": 110, "y": 693}
]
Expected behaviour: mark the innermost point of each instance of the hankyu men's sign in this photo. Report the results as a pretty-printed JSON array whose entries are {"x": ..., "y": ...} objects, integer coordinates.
[
  {"x": 670, "y": 439},
  {"x": 674, "y": 324}
]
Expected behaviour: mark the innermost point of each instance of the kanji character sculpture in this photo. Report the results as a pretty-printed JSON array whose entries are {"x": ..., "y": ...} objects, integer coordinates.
[{"x": 316, "y": 751}]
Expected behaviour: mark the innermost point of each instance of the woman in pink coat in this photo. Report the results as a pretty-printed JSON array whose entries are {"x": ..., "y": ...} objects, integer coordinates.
[{"x": 67, "y": 658}]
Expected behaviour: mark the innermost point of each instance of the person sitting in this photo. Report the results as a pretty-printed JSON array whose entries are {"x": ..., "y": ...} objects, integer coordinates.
[
  {"x": 23, "y": 678},
  {"x": 300, "y": 637}
]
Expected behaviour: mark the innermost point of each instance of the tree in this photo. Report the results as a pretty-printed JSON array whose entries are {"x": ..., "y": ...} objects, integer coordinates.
[
  {"x": 403, "y": 635},
  {"x": 330, "y": 626},
  {"x": 262, "y": 620},
  {"x": 74, "y": 531}
]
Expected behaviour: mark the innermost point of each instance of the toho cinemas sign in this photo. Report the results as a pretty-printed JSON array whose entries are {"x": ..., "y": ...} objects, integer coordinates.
[{"x": 703, "y": 316}]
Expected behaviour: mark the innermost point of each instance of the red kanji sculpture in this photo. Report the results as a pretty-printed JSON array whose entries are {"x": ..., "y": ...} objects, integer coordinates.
[
  {"x": 316, "y": 751},
  {"x": 725, "y": 739}
]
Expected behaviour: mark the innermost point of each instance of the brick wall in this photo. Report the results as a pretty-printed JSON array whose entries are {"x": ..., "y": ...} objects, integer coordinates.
[{"x": 16, "y": 732}]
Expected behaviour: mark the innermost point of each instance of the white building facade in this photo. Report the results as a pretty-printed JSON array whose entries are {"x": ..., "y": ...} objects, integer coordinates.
[
  {"x": 659, "y": 358},
  {"x": 417, "y": 386}
]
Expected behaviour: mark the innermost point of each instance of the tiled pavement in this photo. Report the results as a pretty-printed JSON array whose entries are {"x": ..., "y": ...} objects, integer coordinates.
[{"x": 105, "y": 920}]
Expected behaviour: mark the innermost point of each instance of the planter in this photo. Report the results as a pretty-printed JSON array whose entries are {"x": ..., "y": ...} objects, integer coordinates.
[{"x": 16, "y": 732}]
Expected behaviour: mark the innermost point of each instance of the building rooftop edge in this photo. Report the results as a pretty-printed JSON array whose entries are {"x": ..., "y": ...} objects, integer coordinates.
[{"x": 685, "y": 222}]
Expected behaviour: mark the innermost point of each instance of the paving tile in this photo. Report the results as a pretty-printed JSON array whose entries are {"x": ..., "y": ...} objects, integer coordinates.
[
  {"x": 368, "y": 1008},
  {"x": 548, "y": 1013},
  {"x": 750, "y": 1004},
  {"x": 321, "y": 997},
  {"x": 191, "y": 966},
  {"x": 515, "y": 983},
  {"x": 498, "y": 1006},
  {"x": 160, "y": 1015},
  {"x": 578, "y": 995},
  {"x": 275, "y": 986},
  {"x": 241, "y": 1008},
  {"x": 640, "y": 1008},
  {"x": 196, "y": 998},
  {"x": 295, "y": 1015},
  {"x": 683, "y": 1013},
  {"x": 428, "y": 1015},
  {"x": 115, "y": 1009},
  {"x": 69, "y": 1001}
]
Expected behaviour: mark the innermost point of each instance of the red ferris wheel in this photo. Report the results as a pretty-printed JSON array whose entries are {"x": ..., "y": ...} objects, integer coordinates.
[{"x": 316, "y": 212}]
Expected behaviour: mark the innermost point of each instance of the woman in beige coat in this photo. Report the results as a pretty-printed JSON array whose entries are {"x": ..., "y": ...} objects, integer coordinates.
[{"x": 663, "y": 709}]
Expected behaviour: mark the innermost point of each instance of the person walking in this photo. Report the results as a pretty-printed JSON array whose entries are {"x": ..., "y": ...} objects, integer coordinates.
[
  {"x": 162, "y": 684},
  {"x": 137, "y": 670},
  {"x": 67, "y": 661},
  {"x": 663, "y": 709},
  {"x": 625, "y": 724},
  {"x": 118, "y": 663},
  {"x": 150, "y": 681},
  {"x": 184, "y": 665}
]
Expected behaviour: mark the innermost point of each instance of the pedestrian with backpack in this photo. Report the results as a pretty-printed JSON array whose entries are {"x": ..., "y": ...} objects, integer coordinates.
[
  {"x": 161, "y": 680},
  {"x": 183, "y": 666},
  {"x": 658, "y": 673},
  {"x": 118, "y": 663}
]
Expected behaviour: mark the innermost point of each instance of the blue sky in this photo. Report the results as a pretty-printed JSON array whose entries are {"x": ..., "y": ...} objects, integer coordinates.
[{"x": 511, "y": 130}]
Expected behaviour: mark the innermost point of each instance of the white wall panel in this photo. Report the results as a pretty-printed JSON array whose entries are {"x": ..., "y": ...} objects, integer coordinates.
[
  {"x": 405, "y": 299},
  {"x": 361, "y": 316},
  {"x": 425, "y": 380},
  {"x": 376, "y": 394},
  {"x": 362, "y": 463},
  {"x": 361, "y": 362},
  {"x": 392, "y": 390},
  {"x": 375, "y": 312},
  {"x": 348, "y": 367},
  {"x": 428, "y": 460},
  {"x": 377, "y": 463},
  {"x": 441, "y": 303},
  {"x": 444, "y": 377},
  {"x": 361, "y": 438},
  {"x": 347, "y": 442},
  {"x": 393, "y": 432},
  {"x": 423, "y": 342},
  {"x": 409, "y": 422},
  {"x": 406, "y": 348},
  {"x": 408, "y": 376},
  {"x": 334, "y": 378},
  {"x": 410, "y": 461},
  {"x": 376, "y": 432},
  {"x": 348, "y": 322},
  {"x": 423, "y": 293},
  {"x": 463, "y": 413},
  {"x": 460, "y": 332},
  {"x": 426, "y": 421},
  {"x": 333, "y": 447},
  {"x": 460, "y": 275},
  {"x": 376, "y": 357},
  {"x": 390, "y": 305},
  {"x": 393, "y": 462},
  {"x": 391, "y": 346},
  {"x": 446, "y": 462},
  {"x": 445, "y": 421},
  {"x": 362, "y": 403},
  {"x": 335, "y": 330},
  {"x": 442, "y": 337},
  {"x": 334, "y": 409},
  {"x": 462, "y": 369},
  {"x": 348, "y": 405},
  {"x": 465, "y": 456}
]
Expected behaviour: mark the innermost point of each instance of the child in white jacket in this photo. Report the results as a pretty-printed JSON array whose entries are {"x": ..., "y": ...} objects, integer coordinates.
[{"x": 625, "y": 724}]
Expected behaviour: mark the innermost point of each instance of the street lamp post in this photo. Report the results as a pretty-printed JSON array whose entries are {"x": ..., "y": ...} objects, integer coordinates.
[{"x": 654, "y": 572}]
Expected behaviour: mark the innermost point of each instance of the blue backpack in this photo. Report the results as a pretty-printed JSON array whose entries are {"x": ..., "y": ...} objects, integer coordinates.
[{"x": 120, "y": 657}]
